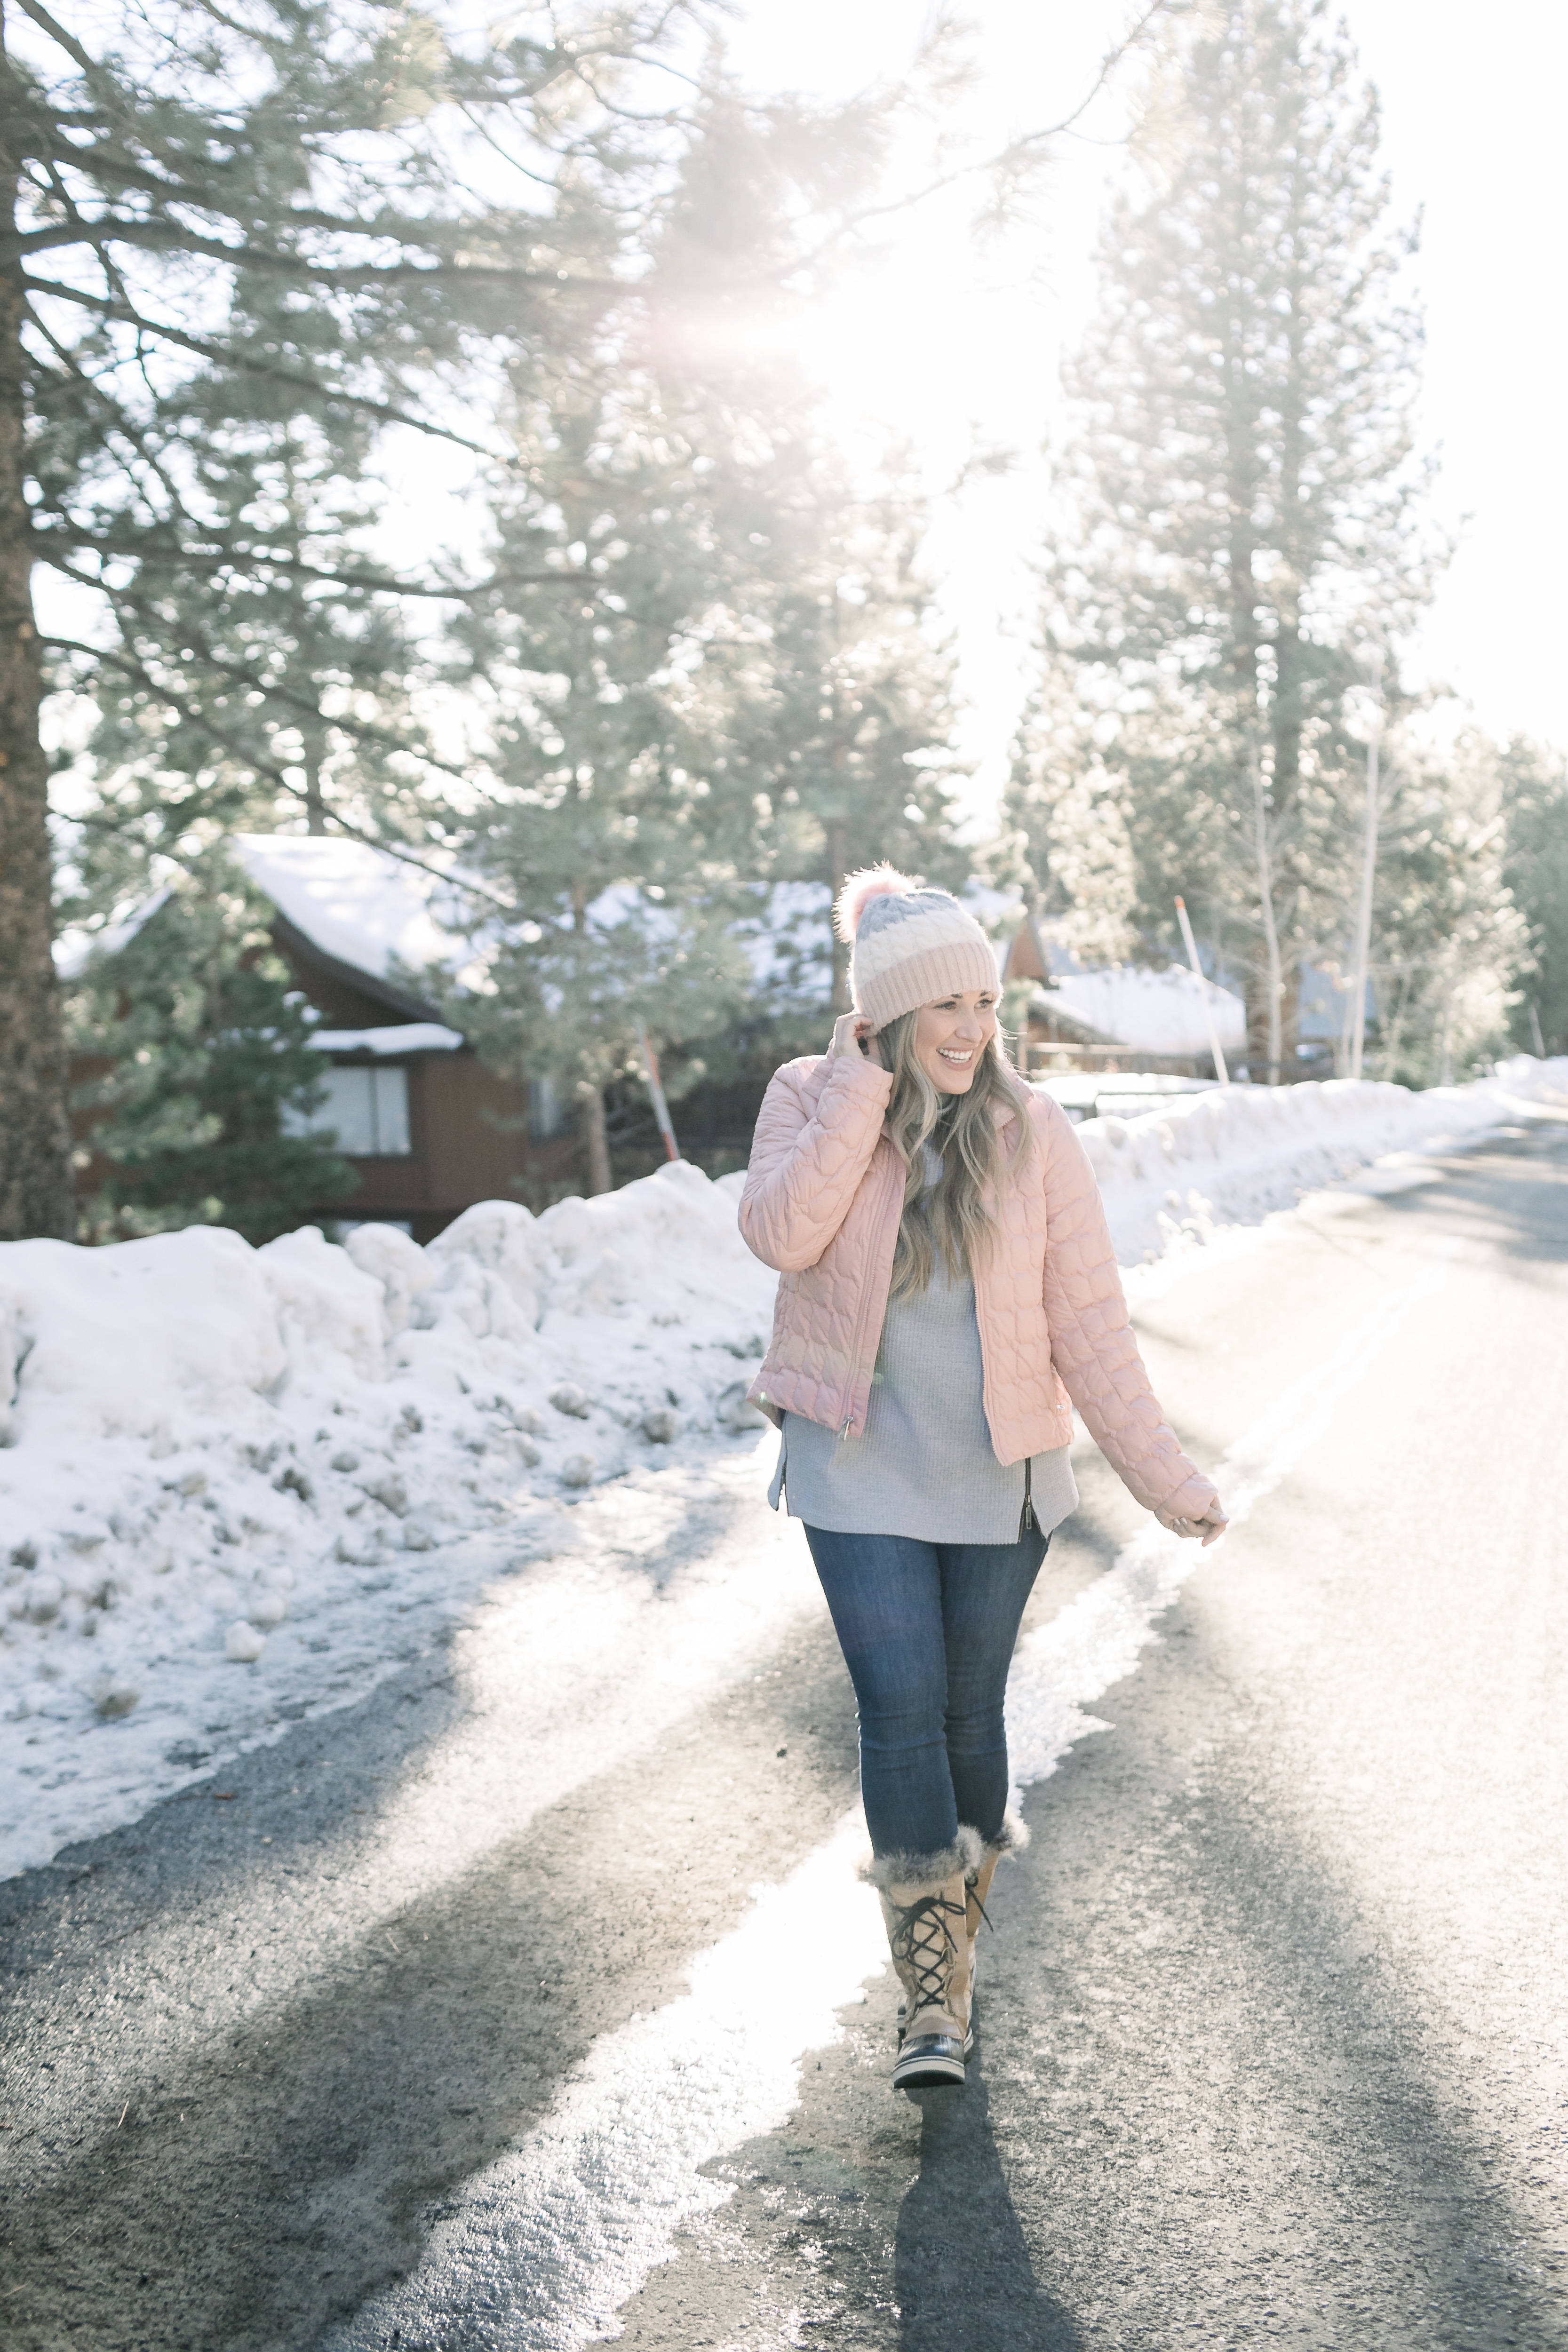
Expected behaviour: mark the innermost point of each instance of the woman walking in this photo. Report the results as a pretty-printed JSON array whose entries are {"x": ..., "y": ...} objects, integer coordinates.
[{"x": 947, "y": 1284}]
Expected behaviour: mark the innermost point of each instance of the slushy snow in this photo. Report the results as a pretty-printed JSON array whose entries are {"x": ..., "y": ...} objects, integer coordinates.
[{"x": 240, "y": 1485}]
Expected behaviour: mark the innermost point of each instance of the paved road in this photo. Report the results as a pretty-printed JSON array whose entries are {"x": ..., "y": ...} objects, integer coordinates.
[{"x": 1272, "y": 2031}]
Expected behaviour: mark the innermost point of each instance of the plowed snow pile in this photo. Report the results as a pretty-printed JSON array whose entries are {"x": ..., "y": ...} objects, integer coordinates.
[
  {"x": 237, "y": 1486},
  {"x": 239, "y": 1483},
  {"x": 1230, "y": 1156}
]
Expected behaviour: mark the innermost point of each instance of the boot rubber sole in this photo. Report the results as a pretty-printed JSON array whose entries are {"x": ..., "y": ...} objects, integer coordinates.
[{"x": 930, "y": 2061}]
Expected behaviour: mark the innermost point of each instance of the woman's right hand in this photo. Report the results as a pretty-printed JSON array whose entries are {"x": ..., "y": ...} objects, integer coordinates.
[
  {"x": 853, "y": 1034},
  {"x": 1209, "y": 1527}
]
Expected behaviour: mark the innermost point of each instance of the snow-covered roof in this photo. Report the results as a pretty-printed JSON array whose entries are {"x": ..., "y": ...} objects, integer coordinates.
[
  {"x": 77, "y": 946},
  {"x": 359, "y": 905},
  {"x": 1151, "y": 1011},
  {"x": 405, "y": 1037}
]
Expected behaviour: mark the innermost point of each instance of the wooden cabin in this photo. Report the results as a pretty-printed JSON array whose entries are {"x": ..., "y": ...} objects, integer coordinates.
[
  {"x": 1120, "y": 1018},
  {"x": 426, "y": 1126}
]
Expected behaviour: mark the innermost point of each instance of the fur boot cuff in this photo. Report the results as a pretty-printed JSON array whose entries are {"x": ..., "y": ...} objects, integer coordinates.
[
  {"x": 923, "y": 1873},
  {"x": 1011, "y": 1838}
]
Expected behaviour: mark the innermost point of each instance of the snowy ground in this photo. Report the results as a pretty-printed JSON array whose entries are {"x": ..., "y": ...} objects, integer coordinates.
[{"x": 238, "y": 1486}]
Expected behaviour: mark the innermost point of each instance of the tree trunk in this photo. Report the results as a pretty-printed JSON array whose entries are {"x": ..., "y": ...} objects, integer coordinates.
[
  {"x": 36, "y": 1177},
  {"x": 1273, "y": 979},
  {"x": 1446, "y": 1046},
  {"x": 1391, "y": 1052},
  {"x": 595, "y": 1139}
]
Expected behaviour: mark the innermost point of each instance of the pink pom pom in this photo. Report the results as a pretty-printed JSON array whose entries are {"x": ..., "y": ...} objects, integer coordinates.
[{"x": 871, "y": 882}]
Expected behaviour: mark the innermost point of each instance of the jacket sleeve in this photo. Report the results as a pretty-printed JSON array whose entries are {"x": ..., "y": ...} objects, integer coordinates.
[
  {"x": 808, "y": 1163},
  {"x": 1093, "y": 1344}
]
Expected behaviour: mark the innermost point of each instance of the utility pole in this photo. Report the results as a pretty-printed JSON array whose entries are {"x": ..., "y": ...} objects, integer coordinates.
[
  {"x": 660, "y": 1107},
  {"x": 1368, "y": 872}
]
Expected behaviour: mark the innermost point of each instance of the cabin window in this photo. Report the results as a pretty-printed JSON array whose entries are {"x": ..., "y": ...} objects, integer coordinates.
[{"x": 368, "y": 1109}]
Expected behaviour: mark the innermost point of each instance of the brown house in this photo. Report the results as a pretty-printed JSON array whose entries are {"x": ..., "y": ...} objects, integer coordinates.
[
  {"x": 1117, "y": 1018},
  {"x": 426, "y": 1127}
]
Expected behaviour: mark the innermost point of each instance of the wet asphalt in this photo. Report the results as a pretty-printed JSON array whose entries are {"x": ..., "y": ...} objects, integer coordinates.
[{"x": 1271, "y": 2031}]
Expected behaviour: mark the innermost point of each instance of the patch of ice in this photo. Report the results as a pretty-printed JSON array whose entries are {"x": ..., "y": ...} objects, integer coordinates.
[{"x": 550, "y": 2240}]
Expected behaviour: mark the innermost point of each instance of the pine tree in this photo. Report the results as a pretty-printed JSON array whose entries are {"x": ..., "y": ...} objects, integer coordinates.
[
  {"x": 601, "y": 832},
  {"x": 202, "y": 1111},
  {"x": 242, "y": 252},
  {"x": 732, "y": 700},
  {"x": 1533, "y": 785},
  {"x": 1449, "y": 940},
  {"x": 848, "y": 736},
  {"x": 1244, "y": 515}
]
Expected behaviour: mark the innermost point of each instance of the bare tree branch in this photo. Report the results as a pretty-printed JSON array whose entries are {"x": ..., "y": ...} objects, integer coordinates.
[
  {"x": 261, "y": 766},
  {"x": 226, "y": 356}
]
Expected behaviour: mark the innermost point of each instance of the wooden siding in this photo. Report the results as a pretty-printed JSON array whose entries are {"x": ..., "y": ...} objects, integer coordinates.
[{"x": 469, "y": 1136}]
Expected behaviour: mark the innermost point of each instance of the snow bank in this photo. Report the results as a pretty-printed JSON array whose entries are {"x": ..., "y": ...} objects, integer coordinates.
[
  {"x": 226, "y": 1473},
  {"x": 1232, "y": 1154},
  {"x": 237, "y": 1485}
]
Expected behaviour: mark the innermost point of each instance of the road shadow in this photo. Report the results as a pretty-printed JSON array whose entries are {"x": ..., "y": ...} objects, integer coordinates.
[
  {"x": 1525, "y": 1219},
  {"x": 283, "y": 2160},
  {"x": 962, "y": 2278},
  {"x": 1234, "y": 2081}
]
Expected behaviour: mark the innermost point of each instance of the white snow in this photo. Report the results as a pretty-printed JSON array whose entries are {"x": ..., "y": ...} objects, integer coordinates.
[
  {"x": 362, "y": 905},
  {"x": 1230, "y": 1155},
  {"x": 227, "y": 1475},
  {"x": 405, "y": 1037},
  {"x": 237, "y": 1486},
  {"x": 1151, "y": 1011}
]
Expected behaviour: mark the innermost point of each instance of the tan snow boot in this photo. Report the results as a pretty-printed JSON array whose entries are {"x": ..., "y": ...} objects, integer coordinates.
[
  {"x": 1013, "y": 1836},
  {"x": 923, "y": 1908}
]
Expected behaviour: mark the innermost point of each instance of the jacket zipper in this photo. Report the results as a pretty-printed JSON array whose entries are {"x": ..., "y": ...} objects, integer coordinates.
[
  {"x": 855, "y": 1361},
  {"x": 1026, "y": 1518}
]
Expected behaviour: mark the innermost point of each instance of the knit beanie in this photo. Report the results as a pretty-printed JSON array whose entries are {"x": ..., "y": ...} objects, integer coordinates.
[{"x": 909, "y": 945}]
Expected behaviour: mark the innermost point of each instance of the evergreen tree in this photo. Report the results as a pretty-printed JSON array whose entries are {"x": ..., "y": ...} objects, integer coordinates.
[
  {"x": 1244, "y": 515},
  {"x": 730, "y": 699},
  {"x": 1534, "y": 794},
  {"x": 845, "y": 739},
  {"x": 241, "y": 254},
  {"x": 207, "y": 1083},
  {"x": 602, "y": 832},
  {"x": 1448, "y": 936}
]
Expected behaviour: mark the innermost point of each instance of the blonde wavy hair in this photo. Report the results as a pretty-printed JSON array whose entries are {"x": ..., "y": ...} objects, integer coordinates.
[{"x": 955, "y": 1216}]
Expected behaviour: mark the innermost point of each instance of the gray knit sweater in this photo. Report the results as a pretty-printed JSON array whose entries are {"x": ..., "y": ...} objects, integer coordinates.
[{"x": 925, "y": 1466}]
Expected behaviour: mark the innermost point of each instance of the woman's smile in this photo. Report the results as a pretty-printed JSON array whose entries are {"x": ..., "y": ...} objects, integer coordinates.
[{"x": 951, "y": 1035}]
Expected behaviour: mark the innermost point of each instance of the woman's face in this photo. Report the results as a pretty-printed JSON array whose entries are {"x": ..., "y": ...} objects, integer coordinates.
[{"x": 951, "y": 1035}]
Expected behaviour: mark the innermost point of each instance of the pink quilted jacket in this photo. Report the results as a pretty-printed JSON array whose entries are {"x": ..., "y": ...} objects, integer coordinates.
[{"x": 823, "y": 1199}]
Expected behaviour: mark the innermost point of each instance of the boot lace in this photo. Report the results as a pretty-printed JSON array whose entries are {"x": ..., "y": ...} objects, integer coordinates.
[{"x": 924, "y": 1943}]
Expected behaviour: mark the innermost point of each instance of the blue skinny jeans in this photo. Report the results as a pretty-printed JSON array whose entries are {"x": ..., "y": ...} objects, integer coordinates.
[{"x": 928, "y": 1633}]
